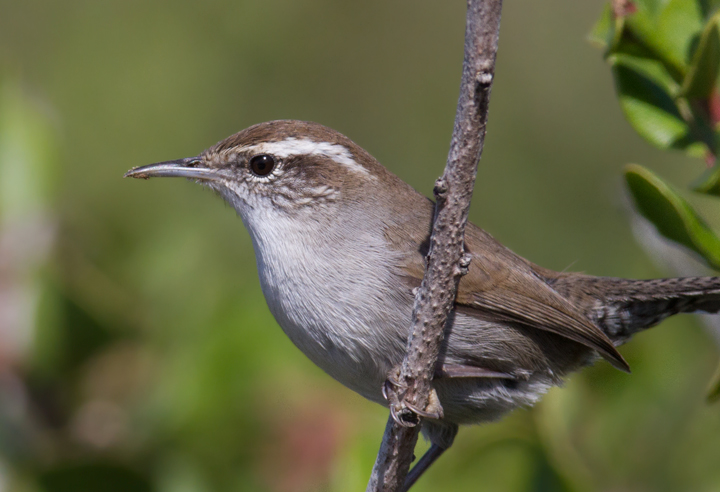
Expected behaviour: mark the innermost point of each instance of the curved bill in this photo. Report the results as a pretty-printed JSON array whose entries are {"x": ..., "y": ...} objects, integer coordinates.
[{"x": 181, "y": 168}]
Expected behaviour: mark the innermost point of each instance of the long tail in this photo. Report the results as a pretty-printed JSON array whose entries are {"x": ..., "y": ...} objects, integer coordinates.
[{"x": 622, "y": 307}]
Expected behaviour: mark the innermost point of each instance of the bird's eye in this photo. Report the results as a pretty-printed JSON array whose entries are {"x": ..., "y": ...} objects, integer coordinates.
[{"x": 262, "y": 164}]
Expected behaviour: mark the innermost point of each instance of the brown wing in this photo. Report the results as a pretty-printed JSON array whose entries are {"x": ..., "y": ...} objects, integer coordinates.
[{"x": 500, "y": 283}]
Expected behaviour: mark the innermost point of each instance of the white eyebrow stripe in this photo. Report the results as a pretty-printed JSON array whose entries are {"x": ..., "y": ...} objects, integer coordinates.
[{"x": 294, "y": 146}]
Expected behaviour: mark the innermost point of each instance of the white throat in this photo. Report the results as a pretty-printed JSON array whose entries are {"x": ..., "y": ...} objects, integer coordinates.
[{"x": 317, "y": 280}]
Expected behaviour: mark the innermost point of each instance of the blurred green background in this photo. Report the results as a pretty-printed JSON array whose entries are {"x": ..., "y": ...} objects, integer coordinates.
[{"x": 136, "y": 349}]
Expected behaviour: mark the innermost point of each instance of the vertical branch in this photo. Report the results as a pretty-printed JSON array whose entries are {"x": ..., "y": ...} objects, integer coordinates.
[{"x": 447, "y": 261}]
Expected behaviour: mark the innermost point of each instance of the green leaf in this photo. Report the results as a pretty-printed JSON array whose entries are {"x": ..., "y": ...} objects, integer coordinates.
[
  {"x": 673, "y": 217},
  {"x": 669, "y": 28},
  {"x": 703, "y": 71},
  {"x": 647, "y": 105},
  {"x": 634, "y": 58},
  {"x": 603, "y": 32},
  {"x": 653, "y": 7},
  {"x": 709, "y": 182}
]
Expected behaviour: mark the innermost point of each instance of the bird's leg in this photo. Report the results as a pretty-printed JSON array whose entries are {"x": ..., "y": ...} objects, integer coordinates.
[
  {"x": 427, "y": 459},
  {"x": 404, "y": 412}
]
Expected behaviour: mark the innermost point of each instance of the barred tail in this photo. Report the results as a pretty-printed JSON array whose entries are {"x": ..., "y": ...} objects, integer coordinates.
[{"x": 622, "y": 307}]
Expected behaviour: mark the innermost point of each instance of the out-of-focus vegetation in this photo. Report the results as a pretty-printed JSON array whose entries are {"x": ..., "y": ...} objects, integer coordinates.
[
  {"x": 136, "y": 351},
  {"x": 665, "y": 58}
]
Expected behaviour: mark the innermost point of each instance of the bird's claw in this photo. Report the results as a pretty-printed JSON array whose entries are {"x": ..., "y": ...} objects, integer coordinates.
[
  {"x": 403, "y": 416},
  {"x": 390, "y": 386},
  {"x": 433, "y": 410},
  {"x": 405, "y": 413}
]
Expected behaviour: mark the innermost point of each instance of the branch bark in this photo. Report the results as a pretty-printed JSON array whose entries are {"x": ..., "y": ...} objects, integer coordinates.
[{"x": 447, "y": 261}]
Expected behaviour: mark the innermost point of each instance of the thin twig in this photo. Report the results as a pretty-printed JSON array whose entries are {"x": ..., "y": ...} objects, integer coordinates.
[{"x": 447, "y": 261}]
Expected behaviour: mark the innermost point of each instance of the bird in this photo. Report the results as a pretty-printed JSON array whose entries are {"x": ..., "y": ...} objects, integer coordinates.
[{"x": 341, "y": 244}]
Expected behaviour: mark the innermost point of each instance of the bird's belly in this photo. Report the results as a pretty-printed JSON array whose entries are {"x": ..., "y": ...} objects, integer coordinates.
[
  {"x": 346, "y": 340},
  {"x": 363, "y": 366},
  {"x": 358, "y": 344},
  {"x": 352, "y": 366}
]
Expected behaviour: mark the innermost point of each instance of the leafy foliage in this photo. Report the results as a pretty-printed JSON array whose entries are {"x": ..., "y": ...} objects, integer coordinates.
[
  {"x": 673, "y": 216},
  {"x": 665, "y": 59}
]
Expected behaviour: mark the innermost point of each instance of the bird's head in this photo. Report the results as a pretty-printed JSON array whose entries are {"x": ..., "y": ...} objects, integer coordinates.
[{"x": 282, "y": 167}]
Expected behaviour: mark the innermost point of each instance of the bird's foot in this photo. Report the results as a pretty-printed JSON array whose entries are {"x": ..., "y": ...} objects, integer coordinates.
[
  {"x": 404, "y": 412},
  {"x": 392, "y": 385},
  {"x": 433, "y": 410}
]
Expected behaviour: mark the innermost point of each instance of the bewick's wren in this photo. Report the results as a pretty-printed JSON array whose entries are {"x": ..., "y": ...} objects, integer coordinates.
[{"x": 340, "y": 244}]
